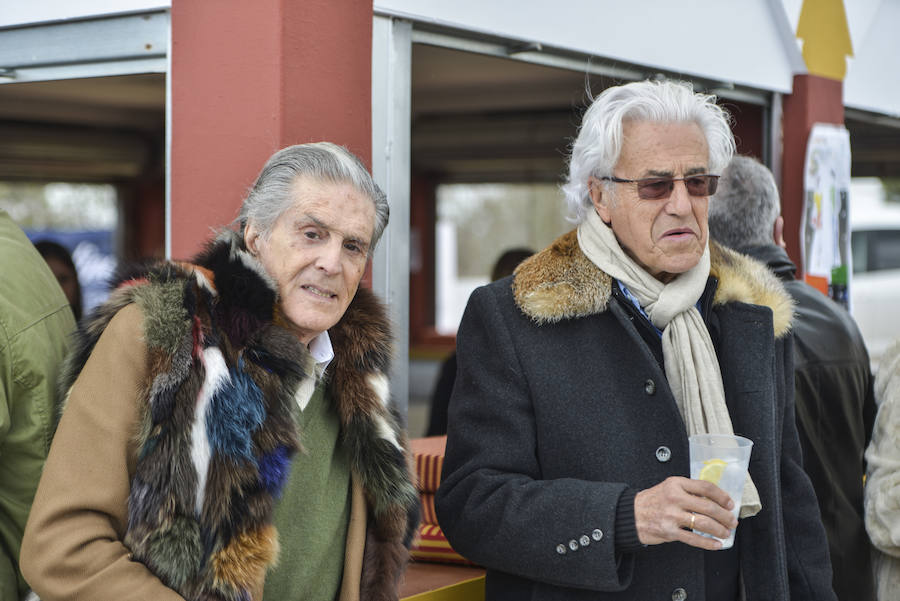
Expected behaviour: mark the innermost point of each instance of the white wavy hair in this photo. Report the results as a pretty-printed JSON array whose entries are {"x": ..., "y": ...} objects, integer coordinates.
[
  {"x": 596, "y": 150},
  {"x": 272, "y": 193}
]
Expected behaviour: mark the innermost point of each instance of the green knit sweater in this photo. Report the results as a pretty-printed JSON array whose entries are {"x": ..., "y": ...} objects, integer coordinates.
[{"x": 314, "y": 510}]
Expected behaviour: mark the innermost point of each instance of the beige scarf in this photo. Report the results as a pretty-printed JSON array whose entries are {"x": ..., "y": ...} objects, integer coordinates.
[{"x": 691, "y": 366}]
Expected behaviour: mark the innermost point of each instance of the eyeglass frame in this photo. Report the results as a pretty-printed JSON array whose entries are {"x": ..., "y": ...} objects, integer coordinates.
[{"x": 712, "y": 182}]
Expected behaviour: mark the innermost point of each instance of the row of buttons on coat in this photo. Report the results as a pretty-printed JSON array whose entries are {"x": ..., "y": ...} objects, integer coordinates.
[
  {"x": 583, "y": 541},
  {"x": 679, "y": 594},
  {"x": 663, "y": 454}
]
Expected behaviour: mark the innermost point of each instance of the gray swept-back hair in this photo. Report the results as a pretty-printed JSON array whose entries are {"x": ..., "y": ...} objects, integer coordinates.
[
  {"x": 745, "y": 206},
  {"x": 270, "y": 196},
  {"x": 598, "y": 146}
]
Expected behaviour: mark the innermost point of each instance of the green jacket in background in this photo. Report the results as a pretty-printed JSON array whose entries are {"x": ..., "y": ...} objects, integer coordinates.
[{"x": 35, "y": 323}]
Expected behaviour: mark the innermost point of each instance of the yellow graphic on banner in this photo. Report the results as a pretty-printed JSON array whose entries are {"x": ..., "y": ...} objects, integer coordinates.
[{"x": 826, "y": 38}]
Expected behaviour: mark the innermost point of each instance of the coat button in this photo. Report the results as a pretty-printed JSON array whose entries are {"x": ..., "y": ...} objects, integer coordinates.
[
  {"x": 584, "y": 540},
  {"x": 650, "y": 387},
  {"x": 561, "y": 549},
  {"x": 597, "y": 534},
  {"x": 573, "y": 544},
  {"x": 663, "y": 454},
  {"x": 679, "y": 594}
]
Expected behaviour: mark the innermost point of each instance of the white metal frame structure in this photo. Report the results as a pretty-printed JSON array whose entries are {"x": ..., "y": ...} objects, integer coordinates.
[
  {"x": 391, "y": 93},
  {"x": 87, "y": 47},
  {"x": 393, "y": 37}
]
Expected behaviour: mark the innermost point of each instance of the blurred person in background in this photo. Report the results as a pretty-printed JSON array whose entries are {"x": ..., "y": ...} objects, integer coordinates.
[
  {"x": 35, "y": 324},
  {"x": 833, "y": 384},
  {"x": 440, "y": 399},
  {"x": 567, "y": 466},
  {"x": 882, "y": 494},
  {"x": 228, "y": 432},
  {"x": 60, "y": 261}
]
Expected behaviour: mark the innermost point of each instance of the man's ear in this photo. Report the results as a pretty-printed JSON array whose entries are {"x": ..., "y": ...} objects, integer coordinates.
[
  {"x": 778, "y": 232},
  {"x": 251, "y": 237},
  {"x": 599, "y": 199}
]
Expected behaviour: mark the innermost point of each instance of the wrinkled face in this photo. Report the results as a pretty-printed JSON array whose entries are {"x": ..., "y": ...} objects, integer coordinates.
[
  {"x": 665, "y": 236},
  {"x": 316, "y": 252}
]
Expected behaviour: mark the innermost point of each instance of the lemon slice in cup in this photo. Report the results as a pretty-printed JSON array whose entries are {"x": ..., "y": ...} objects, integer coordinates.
[{"x": 712, "y": 471}]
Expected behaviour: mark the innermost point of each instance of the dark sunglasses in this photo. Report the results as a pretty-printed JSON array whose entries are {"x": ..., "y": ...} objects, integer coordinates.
[{"x": 657, "y": 188}]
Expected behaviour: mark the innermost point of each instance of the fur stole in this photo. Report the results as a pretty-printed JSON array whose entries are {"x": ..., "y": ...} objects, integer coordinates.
[
  {"x": 560, "y": 282},
  {"x": 217, "y": 437}
]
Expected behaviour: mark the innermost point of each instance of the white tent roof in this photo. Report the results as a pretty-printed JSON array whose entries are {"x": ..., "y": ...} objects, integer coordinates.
[
  {"x": 749, "y": 43},
  {"x": 700, "y": 38}
]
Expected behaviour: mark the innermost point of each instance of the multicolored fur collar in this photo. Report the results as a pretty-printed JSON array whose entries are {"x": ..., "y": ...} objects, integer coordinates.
[
  {"x": 218, "y": 436},
  {"x": 560, "y": 282}
]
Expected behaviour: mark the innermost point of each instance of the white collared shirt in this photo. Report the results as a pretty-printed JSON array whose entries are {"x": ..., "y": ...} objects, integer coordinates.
[{"x": 322, "y": 353}]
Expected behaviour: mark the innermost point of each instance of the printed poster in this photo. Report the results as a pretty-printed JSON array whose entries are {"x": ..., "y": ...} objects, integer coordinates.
[{"x": 825, "y": 225}]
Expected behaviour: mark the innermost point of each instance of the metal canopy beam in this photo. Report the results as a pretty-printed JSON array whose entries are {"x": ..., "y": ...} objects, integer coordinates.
[
  {"x": 540, "y": 54},
  {"x": 119, "y": 45}
]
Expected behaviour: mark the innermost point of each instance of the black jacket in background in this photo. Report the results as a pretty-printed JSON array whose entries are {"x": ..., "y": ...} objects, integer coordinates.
[{"x": 835, "y": 414}]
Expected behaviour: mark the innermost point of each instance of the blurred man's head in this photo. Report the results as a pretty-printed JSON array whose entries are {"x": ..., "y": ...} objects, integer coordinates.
[
  {"x": 60, "y": 262},
  {"x": 746, "y": 206},
  {"x": 507, "y": 262}
]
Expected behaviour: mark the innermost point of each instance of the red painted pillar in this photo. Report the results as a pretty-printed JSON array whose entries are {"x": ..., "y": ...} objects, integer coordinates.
[
  {"x": 815, "y": 99},
  {"x": 249, "y": 78}
]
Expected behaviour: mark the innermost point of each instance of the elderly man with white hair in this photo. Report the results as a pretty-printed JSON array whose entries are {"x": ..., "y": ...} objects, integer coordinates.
[{"x": 581, "y": 378}]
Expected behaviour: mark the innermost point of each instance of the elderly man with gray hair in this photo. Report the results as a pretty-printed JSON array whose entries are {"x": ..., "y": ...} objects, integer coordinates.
[
  {"x": 832, "y": 380},
  {"x": 228, "y": 432},
  {"x": 582, "y": 376}
]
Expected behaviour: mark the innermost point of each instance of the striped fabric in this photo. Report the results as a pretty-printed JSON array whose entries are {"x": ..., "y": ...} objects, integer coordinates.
[
  {"x": 429, "y": 454},
  {"x": 428, "y": 514},
  {"x": 430, "y": 544}
]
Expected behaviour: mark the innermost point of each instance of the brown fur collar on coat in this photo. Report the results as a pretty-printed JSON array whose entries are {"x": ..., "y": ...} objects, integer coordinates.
[
  {"x": 219, "y": 357},
  {"x": 560, "y": 282}
]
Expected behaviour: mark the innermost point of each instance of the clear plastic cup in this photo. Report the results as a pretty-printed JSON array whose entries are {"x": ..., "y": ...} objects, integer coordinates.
[{"x": 723, "y": 460}]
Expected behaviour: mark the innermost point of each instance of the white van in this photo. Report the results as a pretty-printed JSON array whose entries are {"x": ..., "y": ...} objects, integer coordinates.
[{"x": 875, "y": 283}]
